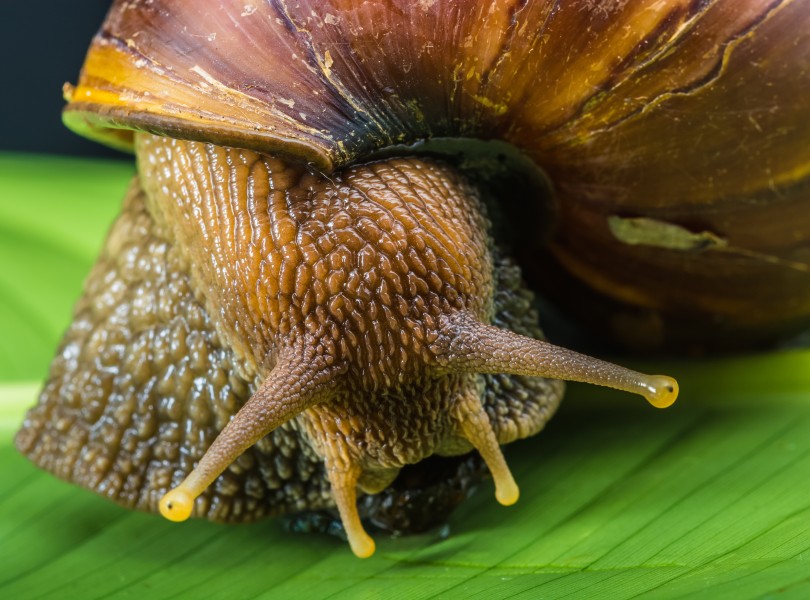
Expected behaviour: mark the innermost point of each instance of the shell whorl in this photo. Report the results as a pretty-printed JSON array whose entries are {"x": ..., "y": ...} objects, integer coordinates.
[{"x": 682, "y": 113}]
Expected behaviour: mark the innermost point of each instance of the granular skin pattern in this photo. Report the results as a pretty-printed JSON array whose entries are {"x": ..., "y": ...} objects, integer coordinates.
[
  {"x": 223, "y": 263},
  {"x": 363, "y": 263},
  {"x": 141, "y": 385}
]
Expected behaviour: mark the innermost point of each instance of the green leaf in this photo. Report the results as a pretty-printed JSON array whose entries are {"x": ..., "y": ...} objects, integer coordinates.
[{"x": 708, "y": 499}]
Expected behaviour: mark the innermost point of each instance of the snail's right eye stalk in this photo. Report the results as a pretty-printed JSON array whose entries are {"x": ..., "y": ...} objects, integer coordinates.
[{"x": 478, "y": 348}]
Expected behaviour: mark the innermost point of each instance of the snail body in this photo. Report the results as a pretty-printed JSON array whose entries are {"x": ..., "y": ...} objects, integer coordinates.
[{"x": 291, "y": 308}]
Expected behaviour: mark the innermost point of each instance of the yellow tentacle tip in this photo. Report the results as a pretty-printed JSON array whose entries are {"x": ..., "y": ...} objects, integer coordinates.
[
  {"x": 662, "y": 391},
  {"x": 177, "y": 504},
  {"x": 362, "y": 544},
  {"x": 507, "y": 497},
  {"x": 507, "y": 492}
]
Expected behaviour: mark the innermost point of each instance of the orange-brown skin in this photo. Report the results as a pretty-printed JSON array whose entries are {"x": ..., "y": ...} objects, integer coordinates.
[
  {"x": 284, "y": 255},
  {"x": 359, "y": 305},
  {"x": 233, "y": 265},
  {"x": 274, "y": 328},
  {"x": 335, "y": 292},
  {"x": 344, "y": 271}
]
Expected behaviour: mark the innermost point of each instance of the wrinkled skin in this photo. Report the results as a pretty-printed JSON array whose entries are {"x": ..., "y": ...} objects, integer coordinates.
[{"x": 221, "y": 262}]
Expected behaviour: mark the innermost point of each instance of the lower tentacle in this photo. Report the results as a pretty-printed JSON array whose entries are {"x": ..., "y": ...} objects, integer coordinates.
[
  {"x": 473, "y": 425},
  {"x": 344, "y": 490}
]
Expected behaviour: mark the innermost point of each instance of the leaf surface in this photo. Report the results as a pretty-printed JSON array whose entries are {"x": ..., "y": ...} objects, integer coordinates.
[{"x": 707, "y": 499}]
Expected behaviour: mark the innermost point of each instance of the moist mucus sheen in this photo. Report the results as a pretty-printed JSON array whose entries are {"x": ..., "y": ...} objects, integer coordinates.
[{"x": 224, "y": 263}]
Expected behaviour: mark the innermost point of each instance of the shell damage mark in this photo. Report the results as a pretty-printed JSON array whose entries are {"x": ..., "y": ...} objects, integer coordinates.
[
  {"x": 712, "y": 74},
  {"x": 498, "y": 108},
  {"x": 643, "y": 231},
  {"x": 322, "y": 63},
  {"x": 727, "y": 50},
  {"x": 603, "y": 8}
]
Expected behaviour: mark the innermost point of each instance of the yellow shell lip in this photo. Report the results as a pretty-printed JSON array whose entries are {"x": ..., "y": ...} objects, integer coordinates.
[{"x": 114, "y": 126}]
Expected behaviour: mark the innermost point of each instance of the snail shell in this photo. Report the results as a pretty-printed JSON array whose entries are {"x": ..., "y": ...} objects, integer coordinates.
[
  {"x": 671, "y": 131},
  {"x": 684, "y": 113}
]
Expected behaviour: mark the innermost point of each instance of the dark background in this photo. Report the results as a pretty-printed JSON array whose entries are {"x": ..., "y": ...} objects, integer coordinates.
[{"x": 42, "y": 45}]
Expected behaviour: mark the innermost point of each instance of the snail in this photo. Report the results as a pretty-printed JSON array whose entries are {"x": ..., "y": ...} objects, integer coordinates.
[{"x": 314, "y": 284}]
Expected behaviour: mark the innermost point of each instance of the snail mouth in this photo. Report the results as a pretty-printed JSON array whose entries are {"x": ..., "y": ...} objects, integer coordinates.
[
  {"x": 420, "y": 499},
  {"x": 424, "y": 494}
]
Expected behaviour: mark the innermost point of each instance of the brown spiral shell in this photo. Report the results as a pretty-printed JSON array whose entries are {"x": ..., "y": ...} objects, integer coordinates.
[{"x": 675, "y": 132}]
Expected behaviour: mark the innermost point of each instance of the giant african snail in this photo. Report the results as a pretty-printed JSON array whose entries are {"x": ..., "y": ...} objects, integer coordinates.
[{"x": 299, "y": 299}]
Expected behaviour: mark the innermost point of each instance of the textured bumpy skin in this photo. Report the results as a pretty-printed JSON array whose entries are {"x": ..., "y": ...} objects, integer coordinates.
[
  {"x": 141, "y": 385},
  {"x": 231, "y": 257}
]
